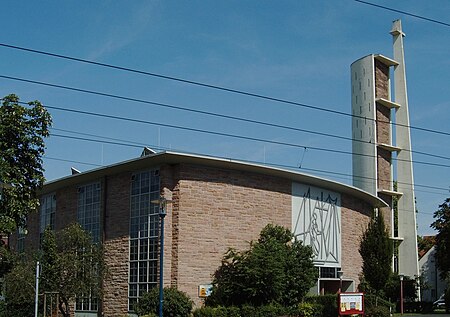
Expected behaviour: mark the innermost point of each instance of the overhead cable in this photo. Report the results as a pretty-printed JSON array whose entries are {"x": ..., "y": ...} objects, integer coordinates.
[
  {"x": 139, "y": 145},
  {"x": 248, "y": 138},
  {"x": 404, "y": 12},
  {"x": 201, "y": 111},
  {"x": 230, "y": 90}
]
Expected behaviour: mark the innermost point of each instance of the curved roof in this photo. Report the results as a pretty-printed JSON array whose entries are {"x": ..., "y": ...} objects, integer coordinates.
[{"x": 169, "y": 157}]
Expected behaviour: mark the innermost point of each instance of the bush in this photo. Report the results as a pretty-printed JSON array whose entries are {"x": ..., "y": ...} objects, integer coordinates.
[
  {"x": 276, "y": 268},
  {"x": 219, "y": 311},
  {"x": 271, "y": 310},
  {"x": 306, "y": 310},
  {"x": 176, "y": 303},
  {"x": 204, "y": 312},
  {"x": 377, "y": 311},
  {"x": 325, "y": 305},
  {"x": 374, "y": 301}
]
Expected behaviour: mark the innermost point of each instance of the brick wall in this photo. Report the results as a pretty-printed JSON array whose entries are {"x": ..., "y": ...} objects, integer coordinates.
[
  {"x": 117, "y": 222},
  {"x": 384, "y": 169},
  {"x": 381, "y": 80},
  {"x": 383, "y": 124},
  {"x": 218, "y": 209},
  {"x": 211, "y": 210},
  {"x": 355, "y": 216}
]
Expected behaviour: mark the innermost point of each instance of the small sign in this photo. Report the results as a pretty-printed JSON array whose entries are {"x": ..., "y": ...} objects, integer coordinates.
[
  {"x": 204, "y": 290},
  {"x": 351, "y": 304}
]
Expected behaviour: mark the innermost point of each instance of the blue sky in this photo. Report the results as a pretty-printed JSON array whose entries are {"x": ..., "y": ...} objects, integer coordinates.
[{"x": 293, "y": 50}]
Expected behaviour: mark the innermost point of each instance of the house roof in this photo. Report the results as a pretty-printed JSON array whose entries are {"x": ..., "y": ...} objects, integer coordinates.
[{"x": 169, "y": 157}]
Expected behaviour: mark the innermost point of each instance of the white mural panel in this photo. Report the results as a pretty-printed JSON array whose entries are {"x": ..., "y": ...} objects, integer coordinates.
[{"x": 316, "y": 220}]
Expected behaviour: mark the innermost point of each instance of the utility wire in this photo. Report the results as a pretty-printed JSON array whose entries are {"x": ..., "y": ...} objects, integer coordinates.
[
  {"x": 230, "y": 90},
  {"x": 234, "y": 135},
  {"x": 137, "y": 145},
  {"x": 403, "y": 12},
  {"x": 209, "y": 113},
  {"x": 69, "y": 161}
]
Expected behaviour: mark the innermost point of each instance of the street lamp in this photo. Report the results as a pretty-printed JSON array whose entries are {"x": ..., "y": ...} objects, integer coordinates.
[
  {"x": 401, "y": 293},
  {"x": 162, "y": 214},
  {"x": 340, "y": 273}
]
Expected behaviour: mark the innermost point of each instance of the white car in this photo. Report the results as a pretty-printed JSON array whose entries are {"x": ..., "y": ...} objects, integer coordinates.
[{"x": 440, "y": 303}]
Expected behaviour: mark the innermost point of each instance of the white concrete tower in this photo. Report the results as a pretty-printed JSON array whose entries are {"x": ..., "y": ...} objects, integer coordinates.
[
  {"x": 408, "y": 258},
  {"x": 373, "y": 110}
]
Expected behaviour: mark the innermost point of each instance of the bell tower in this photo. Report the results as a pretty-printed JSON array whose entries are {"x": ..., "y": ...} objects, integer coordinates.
[{"x": 378, "y": 153}]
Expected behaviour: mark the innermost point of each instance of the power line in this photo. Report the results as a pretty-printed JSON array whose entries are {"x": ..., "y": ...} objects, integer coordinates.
[
  {"x": 248, "y": 138},
  {"x": 231, "y": 135},
  {"x": 404, "y": 12},
  {"x": 138, "y": 145},
  {"x": 191, "y": 82},
  {"x": 69, "y": 161},
  {"x": 207, "y": 113}
]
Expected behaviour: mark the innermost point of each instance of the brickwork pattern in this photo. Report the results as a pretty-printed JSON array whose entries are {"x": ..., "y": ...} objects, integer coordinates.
[
  {"x": 381, "y": 80},
  {"x": 355, "y": 217},
  {"x": 211, "y": 210},
  {"x": 219, "y": 209},
  {"x": 383, "y": 124},
  {"x": 117, "y": 223},
  {"x": 384, "y": 169}
]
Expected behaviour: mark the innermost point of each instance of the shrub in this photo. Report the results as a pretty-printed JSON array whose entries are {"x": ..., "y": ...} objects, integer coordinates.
[
  {"x": 377, "y": 311},
  {"x": 306, "y": 310},
  {"x": 276, "y": 268},
  {"x": 374, "y": 301},
  {"x": 248, "y": 310},
  {"x": 204, "y": 312},
  {"x": 271, "y": 310},
  {"x": 219, "y": 311},
  {"x": 233, "y": 311},
  {"x": 325, "y": 305},
  {"x": 176, "y": 303}
]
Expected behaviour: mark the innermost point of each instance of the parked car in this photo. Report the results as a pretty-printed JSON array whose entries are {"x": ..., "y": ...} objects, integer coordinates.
[{"x": 440, "y": 303}]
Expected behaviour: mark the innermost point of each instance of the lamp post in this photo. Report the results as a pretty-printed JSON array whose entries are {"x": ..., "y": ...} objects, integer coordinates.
[
  {"x": 162, "y": 214},
  {"x": 340, "y": 273},
  {"x": 401, "y": 293}
]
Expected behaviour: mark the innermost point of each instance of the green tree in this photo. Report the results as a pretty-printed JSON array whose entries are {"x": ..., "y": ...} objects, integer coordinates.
[
  {"x": 22, "y": 133},
  {"x": 275, "y": 269},
  {"x": 442, "y": 226},
  {"x": 20, "y": 287},
  {"x": 72, "y": 265},
  {"x": 376, "y": 252}
]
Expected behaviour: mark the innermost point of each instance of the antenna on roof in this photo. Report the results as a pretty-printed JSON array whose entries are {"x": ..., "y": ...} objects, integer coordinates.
[{"x": 74, "y": 171}]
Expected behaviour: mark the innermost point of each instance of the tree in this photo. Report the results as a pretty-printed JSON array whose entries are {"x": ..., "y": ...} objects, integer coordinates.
[
  {"x": 275, "y": 269},
  {"x": 442, "y": 226},
  {"x": 22, "y": 133},
  {"x": 20, "y": 287},
  {"x": 72, "y": 265},
  {"x": 376, "y": 252}
]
